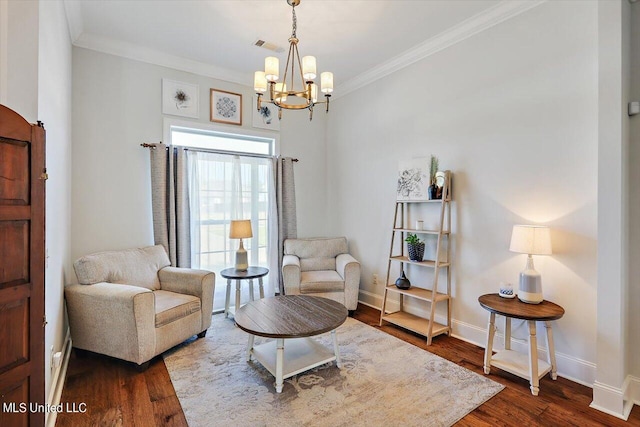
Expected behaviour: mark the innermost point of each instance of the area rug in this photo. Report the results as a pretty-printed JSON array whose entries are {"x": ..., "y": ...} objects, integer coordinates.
[{"x": 383, "y": 381}]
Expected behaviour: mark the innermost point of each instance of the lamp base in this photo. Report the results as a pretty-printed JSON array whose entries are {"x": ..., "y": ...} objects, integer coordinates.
[
  {"x": 530, "y": 290},
  {"x": 241, "y": 258}
]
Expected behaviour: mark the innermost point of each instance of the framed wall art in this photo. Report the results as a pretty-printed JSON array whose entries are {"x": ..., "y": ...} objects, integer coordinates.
[
  {"x": 226, "y": 107},
  {"x": 180, "y": 99},
  {"x": 266, "y": 117},
  {"x": 413, "y": 180}
]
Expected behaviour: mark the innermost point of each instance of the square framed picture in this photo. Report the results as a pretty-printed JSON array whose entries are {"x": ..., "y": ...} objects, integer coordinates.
[
  {"x": 180, "y": 99},
  {"x": 226, "y": 107},
  {"x": 266, "y": 117},
  {"x": 413, "y": 180}
]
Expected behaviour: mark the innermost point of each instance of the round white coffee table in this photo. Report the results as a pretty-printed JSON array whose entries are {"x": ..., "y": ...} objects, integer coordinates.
[{"x": 294, "y": 319}]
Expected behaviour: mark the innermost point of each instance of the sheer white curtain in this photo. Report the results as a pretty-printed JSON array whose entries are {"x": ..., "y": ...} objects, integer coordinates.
[{"x": 223, "y": 187}]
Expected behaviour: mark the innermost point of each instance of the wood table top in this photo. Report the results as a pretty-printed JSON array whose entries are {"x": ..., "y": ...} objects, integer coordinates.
[
  {"x": 249, "y": 273},
  {"x": 290, "y": 316},
  {"x": 513, "y": 307}
]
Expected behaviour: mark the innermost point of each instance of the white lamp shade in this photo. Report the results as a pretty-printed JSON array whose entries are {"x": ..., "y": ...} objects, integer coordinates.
[
  {"x": 309, "y": 67},
  {"x": 240, "y": 229},
  {"x": 531, "y": 239},
  {"x": 259, "y": 81},
  {"x": 326, "y": 82},
  {"x": 271, "y": 68},
  {"x": 314, "y": 92}
]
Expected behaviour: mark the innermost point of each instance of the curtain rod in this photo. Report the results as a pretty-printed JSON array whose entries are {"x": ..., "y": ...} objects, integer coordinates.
[{"x": 154, "y": 146}]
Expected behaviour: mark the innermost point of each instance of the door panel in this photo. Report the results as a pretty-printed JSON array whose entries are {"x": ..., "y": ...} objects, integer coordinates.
[
  {"x": 14, "y": 316},
  {"x": 14, "y": 173},
  {"x": 18, "y": 392},
  {"x": 14, "y": 251},
  {"x": 22, "y": 201}
]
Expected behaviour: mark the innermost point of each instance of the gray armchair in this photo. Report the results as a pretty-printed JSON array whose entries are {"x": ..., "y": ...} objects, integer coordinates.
[
  {"x": 322, "y": 267},
  {"x": 132, "y": 305}
]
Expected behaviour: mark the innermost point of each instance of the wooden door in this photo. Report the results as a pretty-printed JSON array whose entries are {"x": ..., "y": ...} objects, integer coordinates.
[{"x": 22, "y": 202}]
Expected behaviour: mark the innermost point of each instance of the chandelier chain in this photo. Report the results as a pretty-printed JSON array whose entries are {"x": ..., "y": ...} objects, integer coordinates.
[{"x": 294, "y": 26}]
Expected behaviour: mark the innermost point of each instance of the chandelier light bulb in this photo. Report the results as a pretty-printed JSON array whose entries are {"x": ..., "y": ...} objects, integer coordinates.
[
  {"x": 326, "y": 82},
  {"x": 309, "y": 67},
  {"x": 259, "y": 81},
  {"x": 271, "y": 68}
]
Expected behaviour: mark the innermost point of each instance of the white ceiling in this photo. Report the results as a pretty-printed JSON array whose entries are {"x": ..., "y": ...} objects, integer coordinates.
[{"x": 349, "y": 37}]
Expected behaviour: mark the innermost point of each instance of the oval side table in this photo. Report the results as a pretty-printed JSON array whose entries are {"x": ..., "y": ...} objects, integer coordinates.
[{"x": 524, "y": 366}]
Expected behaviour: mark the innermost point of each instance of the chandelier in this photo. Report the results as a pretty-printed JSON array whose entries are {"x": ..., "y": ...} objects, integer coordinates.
[{"x": 303, "y": 92}]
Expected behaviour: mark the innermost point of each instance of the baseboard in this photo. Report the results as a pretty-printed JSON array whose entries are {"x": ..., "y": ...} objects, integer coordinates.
[
  {"x": 57, "y": 383},
  {"x": 632, "y": 392},
  {"x": 613, "y": 400},
  {"x": 617, "y": 401},
  {"x": 569, "y": 367}
]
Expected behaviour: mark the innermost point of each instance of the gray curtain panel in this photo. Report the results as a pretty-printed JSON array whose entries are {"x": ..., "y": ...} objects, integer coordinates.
[
  {"x": 170, "y": 203},
  {"x": 286, "y": 205}
]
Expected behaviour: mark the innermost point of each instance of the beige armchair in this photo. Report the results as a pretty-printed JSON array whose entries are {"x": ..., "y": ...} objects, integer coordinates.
[
  {"x": 132, "y": 305},
  {"x": 321, "y": 267}
]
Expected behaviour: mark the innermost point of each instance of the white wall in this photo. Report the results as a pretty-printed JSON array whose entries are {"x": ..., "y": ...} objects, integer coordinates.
[
  {"x": 19, "y": 54},
  {"x": 4, "y": 45},
  {"x": 634, "y": 204},
  {"x": 54, "y": 109},
  {"x": 117, "y": 106},
  {"x": 305, "y": 141},
  {"x": 513, "y": 113}
]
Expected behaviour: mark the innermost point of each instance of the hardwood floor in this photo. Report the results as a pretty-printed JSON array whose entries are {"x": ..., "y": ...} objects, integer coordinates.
[{"x": 117, "y": 395}]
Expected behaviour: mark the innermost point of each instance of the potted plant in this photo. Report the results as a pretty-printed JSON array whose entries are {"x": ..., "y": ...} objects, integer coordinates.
[
  {"x": 433, "y": 169},
  {"x": 415, "y": 247}
]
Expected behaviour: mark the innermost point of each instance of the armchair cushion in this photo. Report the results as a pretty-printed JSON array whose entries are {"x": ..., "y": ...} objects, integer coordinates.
[
  {"x": 316, "y": 254},
  {"x": 321, "y": 281},
  {"x": 171, "y": 306},
  {"x": 198, "y": 283},
  {"x": 134, "y": 266}
]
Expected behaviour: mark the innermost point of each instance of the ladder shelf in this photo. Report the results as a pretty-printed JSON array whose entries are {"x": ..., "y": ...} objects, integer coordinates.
[{"x": 441, "y": 265}]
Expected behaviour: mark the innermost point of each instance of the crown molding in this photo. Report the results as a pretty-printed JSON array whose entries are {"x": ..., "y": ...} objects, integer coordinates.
[
  {"x": 73, "y": 10},
  {"x": 482, "y": 21},
  {"x": 467, "y": 28},
  {"x": 156, "y": 57}
]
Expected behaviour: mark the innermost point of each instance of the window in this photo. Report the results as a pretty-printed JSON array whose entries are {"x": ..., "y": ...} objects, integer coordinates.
[
  {"x": 221, "y": 142},
  {"x": 230, "y": 177}
]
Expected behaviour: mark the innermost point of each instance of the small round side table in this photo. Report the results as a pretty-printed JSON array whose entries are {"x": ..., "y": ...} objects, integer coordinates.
[
  {"x": 238, "y": 275},
  {"x": 524, "y": 366}
]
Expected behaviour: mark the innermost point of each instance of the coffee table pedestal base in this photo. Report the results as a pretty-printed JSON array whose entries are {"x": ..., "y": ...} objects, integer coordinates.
[{"x": 284, "y": 358}]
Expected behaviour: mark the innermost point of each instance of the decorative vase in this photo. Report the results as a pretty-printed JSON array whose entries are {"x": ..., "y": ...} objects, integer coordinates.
[
  {"x": 432, "y": 192},
  {"x": 402, "y": 282},
  {"x": 416, "y": 251}
]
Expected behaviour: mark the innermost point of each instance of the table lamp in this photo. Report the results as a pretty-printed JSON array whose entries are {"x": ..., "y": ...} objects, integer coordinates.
[
  {"x": 530, "y": 240},
  {"x": 241, "y": 229}
]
